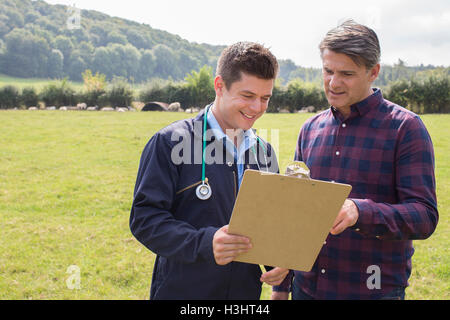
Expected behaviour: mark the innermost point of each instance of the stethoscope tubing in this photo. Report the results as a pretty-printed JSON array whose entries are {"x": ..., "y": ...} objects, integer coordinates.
[{"x": 204, "y": 191}]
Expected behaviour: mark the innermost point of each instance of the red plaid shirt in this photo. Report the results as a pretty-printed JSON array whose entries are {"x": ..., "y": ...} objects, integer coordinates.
[{"x": 385, "y": 152}]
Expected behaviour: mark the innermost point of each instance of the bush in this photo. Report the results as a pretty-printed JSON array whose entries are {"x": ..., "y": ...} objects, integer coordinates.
[
  {"x": 9, "y": 97},
  {"x": 29, "y": 97},
  {"x": 93, "y": 97},
  {"x": 155, "y": 91},
  {"x": 427, "y": 93},
  {"x": 120, "y": 94},
  {"x": 201, "y": 86},
  {"x": 59, "y": 94},
  {"x": 95, "y": 89}
]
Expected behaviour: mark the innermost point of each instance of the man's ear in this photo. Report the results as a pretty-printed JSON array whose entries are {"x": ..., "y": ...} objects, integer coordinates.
[
  {"x": 219, "y": 85},
  {"x": 374, "y": 72}
]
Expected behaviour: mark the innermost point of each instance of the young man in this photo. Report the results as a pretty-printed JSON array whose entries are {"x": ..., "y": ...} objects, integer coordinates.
[
  {"x": 385, "y": 152},
  {"x": 188, "y": 180}
]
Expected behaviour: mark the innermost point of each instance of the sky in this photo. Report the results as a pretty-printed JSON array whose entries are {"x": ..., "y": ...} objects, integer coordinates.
[{"x": 415, "y": 31}]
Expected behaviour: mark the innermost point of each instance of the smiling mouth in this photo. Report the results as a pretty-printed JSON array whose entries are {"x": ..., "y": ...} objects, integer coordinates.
[
  {"x": 336, "y": 93},
  {"x": 248, "y": 116}
]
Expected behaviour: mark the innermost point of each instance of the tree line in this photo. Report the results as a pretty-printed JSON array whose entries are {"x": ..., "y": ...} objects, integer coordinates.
[
  {"x": 426, "y": 92},
  {"x": 35, "y": 41}
]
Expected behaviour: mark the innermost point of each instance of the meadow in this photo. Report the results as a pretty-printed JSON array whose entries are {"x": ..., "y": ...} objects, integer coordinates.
[
  {"x": 66, "y": 188},
  {"x": 36, "y": 83}
]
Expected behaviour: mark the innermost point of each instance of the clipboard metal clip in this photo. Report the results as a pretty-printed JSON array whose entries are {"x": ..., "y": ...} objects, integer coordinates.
[{"x": 298, "y": 169}]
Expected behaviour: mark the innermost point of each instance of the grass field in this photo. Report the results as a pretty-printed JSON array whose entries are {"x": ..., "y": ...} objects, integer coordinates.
[
  {"x": 66, "y": 184},
  {"x": 38, "y": 84}
]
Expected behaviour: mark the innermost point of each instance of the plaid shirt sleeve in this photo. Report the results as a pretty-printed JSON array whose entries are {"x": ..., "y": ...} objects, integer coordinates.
[{"x": 415, "y": 216}]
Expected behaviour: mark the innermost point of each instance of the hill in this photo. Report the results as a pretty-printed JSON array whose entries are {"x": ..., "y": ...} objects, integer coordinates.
[
  {"x": 39, "y": 40},
  {"x": 55, "y": 41}
]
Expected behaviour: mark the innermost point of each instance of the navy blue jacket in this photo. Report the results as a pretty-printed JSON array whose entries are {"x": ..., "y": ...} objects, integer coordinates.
[{"x": 169, "y": 219}]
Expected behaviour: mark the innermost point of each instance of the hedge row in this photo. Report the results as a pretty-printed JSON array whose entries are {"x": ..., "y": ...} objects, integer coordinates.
[
  {"x": 426, "y": 94},
  {"x": 60, "y": 94}
]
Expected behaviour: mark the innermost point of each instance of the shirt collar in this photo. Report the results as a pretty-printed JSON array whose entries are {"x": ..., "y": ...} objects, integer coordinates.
[
  {"x": 364, "y": 106},
  {"x": 249, "y": 135}
]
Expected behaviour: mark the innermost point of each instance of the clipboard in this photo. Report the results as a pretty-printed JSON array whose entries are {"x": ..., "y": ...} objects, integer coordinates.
[{"x": 287, "y": 218}]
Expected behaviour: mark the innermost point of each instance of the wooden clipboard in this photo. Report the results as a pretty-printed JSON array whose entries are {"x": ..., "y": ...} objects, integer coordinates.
[{"x": 286, "y": 218}]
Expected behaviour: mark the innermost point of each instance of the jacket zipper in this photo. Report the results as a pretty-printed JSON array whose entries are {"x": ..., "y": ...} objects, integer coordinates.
[{"x": 235, "y": 185}]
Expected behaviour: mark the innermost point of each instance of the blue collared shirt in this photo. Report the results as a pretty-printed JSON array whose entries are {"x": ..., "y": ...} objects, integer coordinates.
[{"x": 249, "y": 140}]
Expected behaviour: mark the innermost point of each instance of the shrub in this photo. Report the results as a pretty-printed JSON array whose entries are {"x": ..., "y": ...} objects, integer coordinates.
[
  {"x": 30, "y": 97},
  {"x": 120, "y": 94},
  {"x": 427, "y": 93},
  {"x": 95, "y": 88},
  {"x": 155, "y": 90},
  {"x": 9, "y": 97},
  {"x": 59, "y": 94}
]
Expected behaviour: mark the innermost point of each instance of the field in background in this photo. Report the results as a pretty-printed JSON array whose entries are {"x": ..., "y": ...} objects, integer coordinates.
[
  {"x": 66, "y": 184},
  {"x": 38, "y": 84}
]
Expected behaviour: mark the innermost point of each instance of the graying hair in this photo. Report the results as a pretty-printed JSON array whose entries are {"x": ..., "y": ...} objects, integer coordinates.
[{"x": 355, "y": 40}]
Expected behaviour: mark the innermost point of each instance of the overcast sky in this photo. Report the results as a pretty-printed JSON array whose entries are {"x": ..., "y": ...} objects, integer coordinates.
[{"x": 415, "y": 31}]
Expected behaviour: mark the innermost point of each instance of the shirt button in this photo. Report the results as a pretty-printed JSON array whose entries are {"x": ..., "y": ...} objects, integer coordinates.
[
  {"x": 357, "y": 229},
  {"x": 344, "y": 125},
  {"x": 230, "y": 164},
  {"x": 324, "y": 243},
  {"x": 338, "y": 153},
  {"x": 323, "y": 271}
]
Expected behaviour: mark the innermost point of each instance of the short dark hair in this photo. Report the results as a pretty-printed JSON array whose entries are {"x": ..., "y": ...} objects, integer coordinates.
[
  {"x": 355, "y": 40},
  {"x": 248, "y": 57}
]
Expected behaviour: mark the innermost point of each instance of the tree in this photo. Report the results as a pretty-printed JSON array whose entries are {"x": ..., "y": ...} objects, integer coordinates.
[
  {"x": 94, "y": 87},
  {"x": 58, "y": 94},
  {"x": 296, "y": 95},
  {"x": 115, "y": 37},
  {"x": 29, "y": 97},
  {"x": 102, "y": 61},
  {"x": 138, "y": 39},
  {"x": 166, "y": 62},
  {"x": 55, "y": 64},
  {"x": 65, "y": 45},
  {"x": 130, "y": 58},
  {"x": 279, "y": 98},
  {"x": 201, "y": 86},
  {"x": 76, "y": 66},
  {"x": 120, "y": 94},
  {"x": 187, "y": 61},
  {"x": 17, "y": 58},
  {"x": 9, "y": 97},
  {"x": 286, "y": 67},
  {"x": 99, "y": 35},
  {"x": 146, "y": 65}
]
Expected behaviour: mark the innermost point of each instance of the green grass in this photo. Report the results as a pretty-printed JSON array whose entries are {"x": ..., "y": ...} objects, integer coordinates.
[
  {"x": 66, "y": 185},
  {"x": 36, "y": 83}
]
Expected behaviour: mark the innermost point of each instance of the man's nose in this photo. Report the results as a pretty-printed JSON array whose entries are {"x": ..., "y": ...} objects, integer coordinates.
[
  {"x": 334, "y": 81},
  {"x": 256, "y": 105}
]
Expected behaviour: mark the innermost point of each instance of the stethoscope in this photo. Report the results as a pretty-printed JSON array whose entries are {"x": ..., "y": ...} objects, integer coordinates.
[{"x": 204, "y": 190}]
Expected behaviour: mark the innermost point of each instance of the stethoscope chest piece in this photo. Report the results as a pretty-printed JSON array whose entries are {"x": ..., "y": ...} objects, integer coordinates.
[{"x": 203, "y": 191}]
